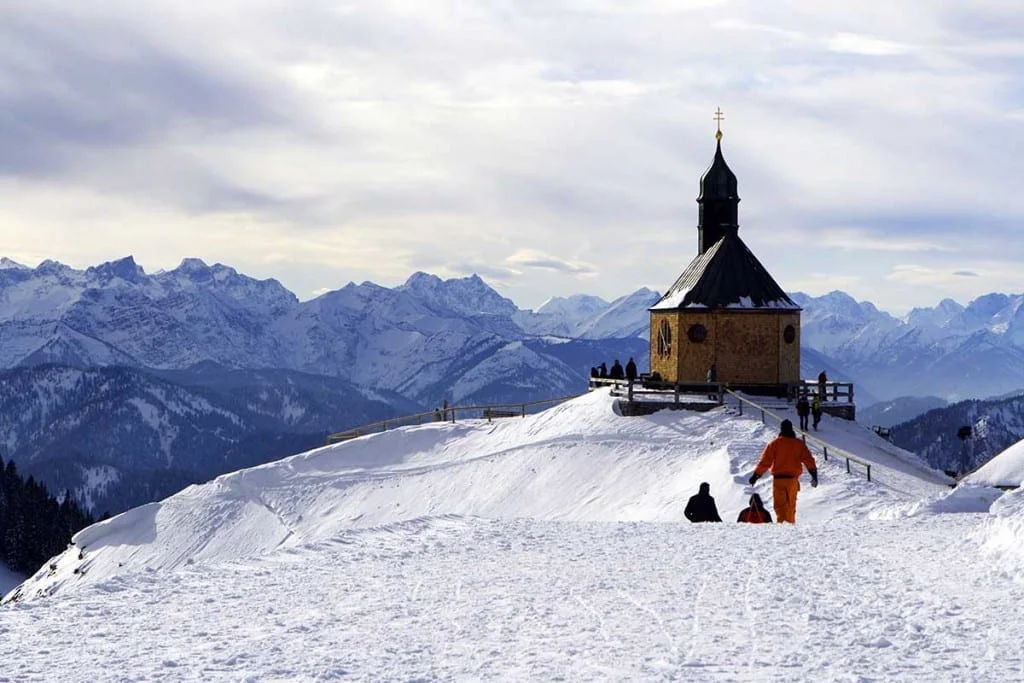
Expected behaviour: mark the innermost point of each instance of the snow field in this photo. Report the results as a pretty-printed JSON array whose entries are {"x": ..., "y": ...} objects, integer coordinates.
[
  {"x": 472, "y": 599},
  {"x": 538, "y": 548},
  {"x": 577, "y": 462}
]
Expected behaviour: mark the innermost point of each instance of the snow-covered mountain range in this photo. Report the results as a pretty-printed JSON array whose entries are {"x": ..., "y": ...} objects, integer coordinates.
[
  {"x": 950, "y": 351},
  {"x": 426, "y": 340},
  {"x": 201, "y": 365},
  {"x": 399, "y": 349}
]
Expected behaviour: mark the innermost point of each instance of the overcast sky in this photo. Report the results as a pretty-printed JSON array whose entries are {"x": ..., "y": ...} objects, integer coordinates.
[{"x": 552, "y": 146}]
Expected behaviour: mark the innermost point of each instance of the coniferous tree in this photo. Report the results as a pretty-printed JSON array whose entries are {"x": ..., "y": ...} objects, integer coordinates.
[{"x": 35, "y": 526}]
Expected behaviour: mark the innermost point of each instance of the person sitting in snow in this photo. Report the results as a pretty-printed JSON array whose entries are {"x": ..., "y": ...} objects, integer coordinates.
[
  {"x": 786, "y": 456},
  {"x": 701, "y": 507},
  {"x": 755, "y": 514}
]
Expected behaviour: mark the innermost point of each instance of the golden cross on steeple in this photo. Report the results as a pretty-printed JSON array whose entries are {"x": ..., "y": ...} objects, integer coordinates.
[{"x": 718, "y": 118}]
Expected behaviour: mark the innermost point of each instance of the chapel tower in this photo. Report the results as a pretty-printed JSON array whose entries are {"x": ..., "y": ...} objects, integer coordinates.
[{"x": 725, "y": 309}]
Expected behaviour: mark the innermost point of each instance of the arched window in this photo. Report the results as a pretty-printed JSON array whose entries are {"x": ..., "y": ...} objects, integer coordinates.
[
  {"x": 664, "y": 339},
  {"x": 789, "y": 334},
  {"x": 697, "y": 333}
]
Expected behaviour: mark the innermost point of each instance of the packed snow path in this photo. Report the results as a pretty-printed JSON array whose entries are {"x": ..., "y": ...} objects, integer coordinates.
[
  {"x": 463, "y": 598},
  {"x": 890, "y": 465}
]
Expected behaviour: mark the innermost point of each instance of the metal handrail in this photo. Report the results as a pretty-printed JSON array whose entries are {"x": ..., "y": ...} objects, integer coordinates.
[
  {"x": 849, "y": 457},
  {"x": 441, "y": 415}
]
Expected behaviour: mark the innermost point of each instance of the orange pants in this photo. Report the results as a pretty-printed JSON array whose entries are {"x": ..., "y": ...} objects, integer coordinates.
[{"x": 784, "y": 499}]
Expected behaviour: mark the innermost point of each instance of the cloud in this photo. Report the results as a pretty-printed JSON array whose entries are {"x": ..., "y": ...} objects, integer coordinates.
[
  {"x": 866, "y": 45},
  {"x": 528, "y": 258},
  {"x": 323, "y": 142}
]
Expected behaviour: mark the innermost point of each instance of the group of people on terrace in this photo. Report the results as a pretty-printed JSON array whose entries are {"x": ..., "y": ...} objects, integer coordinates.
[{"x": 617, "y": 371}]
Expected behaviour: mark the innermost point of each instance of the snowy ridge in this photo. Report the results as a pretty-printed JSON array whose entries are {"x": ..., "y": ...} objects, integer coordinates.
[
  {"x": 532, "y": 549},
  {"x": 577, "y": 461}
]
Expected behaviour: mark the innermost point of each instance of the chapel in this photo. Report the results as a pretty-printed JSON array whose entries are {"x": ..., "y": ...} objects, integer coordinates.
[{"x": 725, "y": 309}]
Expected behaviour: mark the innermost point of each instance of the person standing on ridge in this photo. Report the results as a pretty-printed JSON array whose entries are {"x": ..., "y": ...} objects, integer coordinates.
[
  {"x": 616, "y": 372},
  {"x": 630, "y": 370},
  {"x": 712, "y": 377},
  {"x": 755, "y": 514},
  {"x": 803, "y": 410},
  {"x": 786, "y": 456},
  {"x": 701, "y": 507},
  {"x": 822, "y": 380},
  {"x": 816, "y": 411}
]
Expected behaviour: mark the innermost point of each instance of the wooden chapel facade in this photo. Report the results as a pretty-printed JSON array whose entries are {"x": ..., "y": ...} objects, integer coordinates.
[{"x": 725, "y": 309}]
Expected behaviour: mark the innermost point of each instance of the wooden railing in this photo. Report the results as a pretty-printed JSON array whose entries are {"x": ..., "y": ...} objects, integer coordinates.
[
  {"x": 640, "y": 388},
  {"x": 824, "y": 446},
  {"x": 448, "y": 414},
  {"x": 834, "y": 391}
]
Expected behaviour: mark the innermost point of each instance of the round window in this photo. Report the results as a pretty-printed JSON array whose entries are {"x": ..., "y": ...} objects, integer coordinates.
[
  {"x": 789, "y": 334},
  {"x": 697, "y": 333}
]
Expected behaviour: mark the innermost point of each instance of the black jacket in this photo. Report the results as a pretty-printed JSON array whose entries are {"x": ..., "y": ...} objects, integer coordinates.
[
  {"x": 702, "y": 508},
  {"x": 803, "y": 407},
  {"x": 630, "y": 370}
]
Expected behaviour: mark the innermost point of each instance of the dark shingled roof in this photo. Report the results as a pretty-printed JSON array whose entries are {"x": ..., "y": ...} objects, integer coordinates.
[{"x": 727, "y": 275}]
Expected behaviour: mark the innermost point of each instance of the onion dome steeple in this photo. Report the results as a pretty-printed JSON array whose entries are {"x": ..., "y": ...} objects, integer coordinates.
[{"x": 718, "y": 199}]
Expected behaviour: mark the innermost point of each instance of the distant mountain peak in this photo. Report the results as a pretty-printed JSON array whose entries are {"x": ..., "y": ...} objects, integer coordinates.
[
  {"x": 8, "y": 264},
  {"x": 467, "y": 296},
  {"x": 124, "y": 268},
  {"x": 192, "y": 265},
  {"x": 421, "y": 279}
]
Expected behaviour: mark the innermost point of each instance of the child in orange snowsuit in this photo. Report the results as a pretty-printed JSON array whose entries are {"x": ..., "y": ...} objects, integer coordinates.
[
  {"x": 786, "y": 457},
  {"x": 755, "y": 514}
]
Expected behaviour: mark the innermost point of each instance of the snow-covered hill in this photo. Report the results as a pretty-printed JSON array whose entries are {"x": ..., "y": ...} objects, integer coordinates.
[
  {"x": 577, "y": 461},
  {"x": 537, "y": 548}
]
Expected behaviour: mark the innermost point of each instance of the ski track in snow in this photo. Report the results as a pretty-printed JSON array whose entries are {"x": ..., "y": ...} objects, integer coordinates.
[{"x": 467, "y": 598}]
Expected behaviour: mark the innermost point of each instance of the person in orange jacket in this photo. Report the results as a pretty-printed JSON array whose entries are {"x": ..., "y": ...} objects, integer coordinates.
[
  {"x": 755, "y": 514},
  {"x": 786, "y": 456}
]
